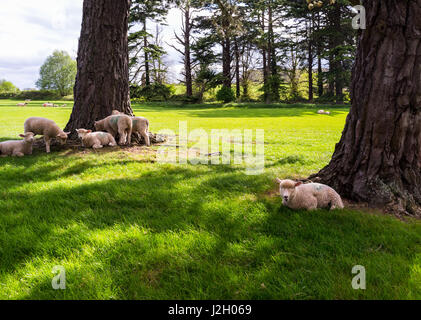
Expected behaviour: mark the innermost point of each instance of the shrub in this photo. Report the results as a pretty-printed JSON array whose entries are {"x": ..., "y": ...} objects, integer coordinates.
[
  {"x": 39, "y": 95},
  {"x": 225, "y": 94},
  {"x": 153, "y": 92},
  {"x": 185, "y": 99}
]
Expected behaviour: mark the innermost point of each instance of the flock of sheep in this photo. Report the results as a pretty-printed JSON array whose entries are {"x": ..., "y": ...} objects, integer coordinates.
[
  {"x": 116, "y": 123},
  {"x": 47, "y": 104},
  {"x": 295, "y": 195}
]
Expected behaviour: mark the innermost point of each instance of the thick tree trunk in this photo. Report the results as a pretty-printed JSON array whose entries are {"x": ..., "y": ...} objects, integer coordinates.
[
  {"x": 102, "y": 81},
  {"x": 226, "y": 62},
  {"x": 319, "y": 62},
  {"x": 320, "y": 88},
  {"x": 338, "y": 64},
  {"x": 310, "y": 62},
  {"x": 145, "y": 48},
  {"x": 274, "y": 90},
  {"x": 265, "y": 60},
  {"x": 187, "y": 51},
  {"x": 237, "y": 69},
  {"x": 378, "y": 159}
]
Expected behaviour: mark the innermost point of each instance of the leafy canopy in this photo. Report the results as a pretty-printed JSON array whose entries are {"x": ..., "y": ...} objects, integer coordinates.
[
  {"x": 7, "y": 87},
  {"x": 58, "y": 73}
]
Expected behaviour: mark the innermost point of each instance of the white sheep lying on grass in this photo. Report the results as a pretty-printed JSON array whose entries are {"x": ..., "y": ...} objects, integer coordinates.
[
  {"x": 17, "y": 148},
  {"x": 323, "y": 112},
  {"x": 95, "y": 140},
  {"x": 311, "y": 196},
  {"x": 21, "y": 104},
  {"x": 47, "y": 128},
  {"x": 140, "y": 126},
  {"x": 121, "y": 124}
]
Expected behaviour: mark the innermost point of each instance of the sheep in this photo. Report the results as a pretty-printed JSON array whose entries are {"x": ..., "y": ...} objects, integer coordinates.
[
  {"x": 95, "y": 140},
  {"x": 311, "y": 196},
  {"x": 48, "y": 104},
  {"x": 47, "y": 128},
  {"x": 21, "y": 104},
  {"x": 140, "y": 127},
  {"x": 323, "y": 112},
  {"x": 28, "y": 100},
  {"x": 121, "y": 124},
  {"x": 18, "y": 148}
]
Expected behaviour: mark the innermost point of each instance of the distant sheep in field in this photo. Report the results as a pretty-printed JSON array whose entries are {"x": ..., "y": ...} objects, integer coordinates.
[
  {"x": 311, "y": 196},
  {"x": 95, "y": 140},
  {"x": 21, "y": 104},
  {"x": 48, "y": 104},
  {"x": 323, "y": 112},
  {"x": 28, "y": 100},
  {"x": 121, "y": 124},
  {"x": 47, "y": 128},
  {"x": 140, "y": 126},
  {"x": 18, "y": 148}
]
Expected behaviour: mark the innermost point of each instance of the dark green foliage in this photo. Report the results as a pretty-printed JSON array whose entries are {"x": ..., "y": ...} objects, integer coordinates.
[
  {"x": 33, "y": 95},
  {"x": 153, "y": 92},
  {"x": 226, "y": 95}
]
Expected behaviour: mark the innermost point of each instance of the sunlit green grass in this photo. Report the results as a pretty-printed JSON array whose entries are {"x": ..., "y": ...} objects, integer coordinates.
[{"x": 126, "y": 227}]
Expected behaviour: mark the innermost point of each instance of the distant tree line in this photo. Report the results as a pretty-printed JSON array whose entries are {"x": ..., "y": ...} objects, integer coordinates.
[{"x": 229, "y": 44}]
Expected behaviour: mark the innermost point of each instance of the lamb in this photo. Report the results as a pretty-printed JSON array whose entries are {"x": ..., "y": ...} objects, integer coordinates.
[
  {"x": 18, "y": 148},
  {"x": 121, "y": 124},
  {"x": 140, "y": 127},
  {"x": 323, "y": 112},
  {"x": 311, "y": 196},
  {"x": 21, "y": 104},
  {"x": 95, "y": 140},
  {"x": 47, "y": 128}
]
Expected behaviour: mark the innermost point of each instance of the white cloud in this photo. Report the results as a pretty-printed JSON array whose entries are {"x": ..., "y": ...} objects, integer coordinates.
[{"x": 32, "y": 30}]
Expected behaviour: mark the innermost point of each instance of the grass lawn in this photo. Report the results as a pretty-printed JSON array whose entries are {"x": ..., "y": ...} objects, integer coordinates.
[{"x": 126, "y": 227}]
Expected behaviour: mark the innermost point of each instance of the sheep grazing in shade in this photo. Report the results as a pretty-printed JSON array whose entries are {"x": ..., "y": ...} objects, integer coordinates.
[
  {"x": 95, "y": 140},
  {"x": 18, "y": 148},
  {"x": 21, "y": 104},
  {"x": 47, "y": 128},
  {"x": 323, "y": 112},
  {"x": 121, "y": 124},
  {"x": 311, "y": 196},
  {"x": 140, "y": 127}
]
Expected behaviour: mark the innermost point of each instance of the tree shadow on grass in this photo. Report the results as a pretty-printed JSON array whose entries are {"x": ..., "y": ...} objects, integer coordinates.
[{"x": 186, "y": 233}]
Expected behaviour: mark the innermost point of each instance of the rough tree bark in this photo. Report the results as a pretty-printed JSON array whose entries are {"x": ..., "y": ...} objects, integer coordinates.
[
  {"x": 187, "y": 51},
  {"x": 145, "y": 46},
  {"x": 338, "y": 42},
  {"x": 102, "y": 81},
  {"x": 378, "y": 159},
  {"x": 319, "y": 61},
  {"x": 237, "y": 69},
  {"x": 265, "y": 62},
  {"x": 310, "y": 59},
  {"x": 226, "y": 62}
]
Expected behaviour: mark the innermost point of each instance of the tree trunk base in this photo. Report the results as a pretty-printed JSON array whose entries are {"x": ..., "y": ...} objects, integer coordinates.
[
  {"x": 154, "y": 138},
  {"x": 386, "y": 195}
]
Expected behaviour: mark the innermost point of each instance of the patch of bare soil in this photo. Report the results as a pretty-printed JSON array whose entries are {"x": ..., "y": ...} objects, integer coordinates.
[{"x": 74, "y": 147}]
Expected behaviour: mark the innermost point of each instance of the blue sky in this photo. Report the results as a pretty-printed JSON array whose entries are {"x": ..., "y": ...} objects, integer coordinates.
[{"x": 32, "y": 30}]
